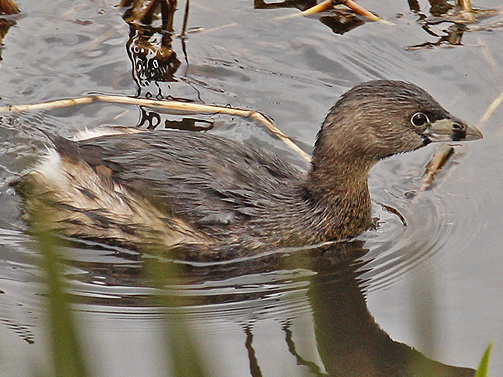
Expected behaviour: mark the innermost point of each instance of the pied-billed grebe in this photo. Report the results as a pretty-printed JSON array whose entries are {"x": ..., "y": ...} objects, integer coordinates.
[{"x": 169, "y": 188}]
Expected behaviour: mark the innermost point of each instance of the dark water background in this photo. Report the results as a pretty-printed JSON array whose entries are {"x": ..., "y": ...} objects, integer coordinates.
[{"x": 435, "y": 285}]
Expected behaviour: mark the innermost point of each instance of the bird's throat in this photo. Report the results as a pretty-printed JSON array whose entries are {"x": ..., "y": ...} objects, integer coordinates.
[{"x": 343, "y": 191}]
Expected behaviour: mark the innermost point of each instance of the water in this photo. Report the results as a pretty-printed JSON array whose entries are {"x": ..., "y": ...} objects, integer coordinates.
[{"x": 434, "y": 284}]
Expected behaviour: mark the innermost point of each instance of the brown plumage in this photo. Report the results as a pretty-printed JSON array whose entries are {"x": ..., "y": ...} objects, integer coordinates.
[{"x": 225, "y": 199}]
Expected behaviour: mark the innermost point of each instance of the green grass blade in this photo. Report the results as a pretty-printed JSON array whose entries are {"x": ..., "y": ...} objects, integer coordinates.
[
  {"x": 484, "y": 362},
  {"x": 66, "y": 350},
  {"x": 184, "y": 352}
]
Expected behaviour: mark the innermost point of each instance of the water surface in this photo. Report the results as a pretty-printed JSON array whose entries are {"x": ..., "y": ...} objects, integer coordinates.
[{"x": 434, "y": 284}]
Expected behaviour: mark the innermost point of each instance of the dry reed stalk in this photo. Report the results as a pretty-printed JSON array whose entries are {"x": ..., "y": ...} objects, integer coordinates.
[
  {"x": 466, "y": 5},
  {"x": 8, "y": 7},
  {"x": 321, "y": 7},
  {"x": 490, "y": 110},
  {"x": 363, "y": 12},
  {"x": 162, "y": 105},
  {"x": 440, "y": 158},
  {"x": 446, "y": 151}
]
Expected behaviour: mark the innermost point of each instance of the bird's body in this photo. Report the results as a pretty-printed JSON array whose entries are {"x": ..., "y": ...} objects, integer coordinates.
[{"x": 170, "y": 188}]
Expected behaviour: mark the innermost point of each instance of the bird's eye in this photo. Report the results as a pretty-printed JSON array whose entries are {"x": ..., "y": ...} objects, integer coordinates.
[
  {"x": 457, "y": 127},
  {"x": 419, "y": 119}
]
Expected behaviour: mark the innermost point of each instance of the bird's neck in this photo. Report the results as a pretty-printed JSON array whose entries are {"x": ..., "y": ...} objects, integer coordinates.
[{"x": 340, "y": 187}]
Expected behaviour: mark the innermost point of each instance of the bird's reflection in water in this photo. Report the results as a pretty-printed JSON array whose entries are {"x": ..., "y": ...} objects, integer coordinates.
[{"x": 349, "y": 341}]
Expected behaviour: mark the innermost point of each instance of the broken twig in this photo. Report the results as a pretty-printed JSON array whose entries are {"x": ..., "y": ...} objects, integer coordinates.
[
  {"x": 364, "y": 12},
  {"x": 490, "y": 110},
  {"x": 8, "y": 7},
  {"x": 446, "y": 151},
  {"x": 183, "y": 107},
  {"x": 440, "y": 158},
  {"x": 323, "y": 6},
  {"x": 466, "y": 5}
]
